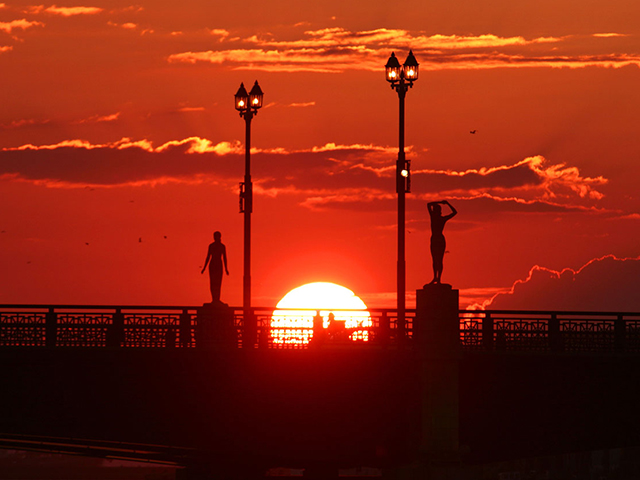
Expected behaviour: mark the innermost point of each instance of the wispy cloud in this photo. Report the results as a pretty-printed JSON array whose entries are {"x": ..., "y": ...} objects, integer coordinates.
[
  {"x": 23, "y": 123},
  {"x": 131, "y": 26},
  {"x": 531, "y": 178},
  {"x": 72, "y": 11},
  {"x": 302, "y": 104},
  {"x": 609, "y": 35},
  {"x": 334, "y": 50},
  {"x": 22, "y": 24},
  {"x": 99, "y": 118},
  {"x": 5, "y": 48},
  {"x": 221, "y": 33},
  {"x": 191, "y": 109}
]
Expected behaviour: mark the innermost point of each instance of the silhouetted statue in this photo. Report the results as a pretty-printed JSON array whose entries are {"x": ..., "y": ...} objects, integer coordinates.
[
  {"x": 438, "y": 243},
  {"x": 216, "y": 258}
]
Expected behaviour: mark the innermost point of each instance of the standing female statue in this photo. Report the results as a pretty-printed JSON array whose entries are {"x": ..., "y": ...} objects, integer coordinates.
[
  {"x": 216, "y": 258},
  {"x": 438, "y": 242}
]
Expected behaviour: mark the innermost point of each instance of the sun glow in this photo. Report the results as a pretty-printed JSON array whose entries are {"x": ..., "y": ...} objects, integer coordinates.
[{"x": 344, "y": 315}]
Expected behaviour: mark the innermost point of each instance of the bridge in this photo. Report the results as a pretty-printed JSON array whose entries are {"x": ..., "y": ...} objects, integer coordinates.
[{"x": 206, "y": 388}]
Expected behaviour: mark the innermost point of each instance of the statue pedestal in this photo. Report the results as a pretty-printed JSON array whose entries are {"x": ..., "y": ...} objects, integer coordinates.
[
  {"x": 437, "y": 340},
  {"x": 215, "y": 327}
]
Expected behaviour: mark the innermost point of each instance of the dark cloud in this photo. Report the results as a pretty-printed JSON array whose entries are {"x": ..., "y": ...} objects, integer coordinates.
[
  {"x": 605, "y": 284},
  {"x": 513, "y": 176},
  {"x": 113, "y": 166},
  {"x": 351, "y": 177}
]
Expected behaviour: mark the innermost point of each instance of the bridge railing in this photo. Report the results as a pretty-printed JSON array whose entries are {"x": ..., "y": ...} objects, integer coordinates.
[
  {"x": 285, "y": 330},
  {"x": 545, "y": 331},
  {"x": 96, "y": 326},
  {"x": 99, "y": 326}
]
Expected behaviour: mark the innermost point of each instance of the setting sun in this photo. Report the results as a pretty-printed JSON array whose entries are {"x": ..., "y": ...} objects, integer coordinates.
[{"x": 292, "y": 322}]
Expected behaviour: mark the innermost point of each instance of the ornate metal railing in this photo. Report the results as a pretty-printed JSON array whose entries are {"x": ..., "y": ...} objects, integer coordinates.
[
  {"x": 544, "y": 331},
  {"x": 70, "y": 326},
  {"x": 97, "y": 326}
]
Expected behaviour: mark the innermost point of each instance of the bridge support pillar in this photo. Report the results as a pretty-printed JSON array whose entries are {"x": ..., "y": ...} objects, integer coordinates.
[
  {"x": 437, "y": 340},
  {"x": 215, "y": 327}
]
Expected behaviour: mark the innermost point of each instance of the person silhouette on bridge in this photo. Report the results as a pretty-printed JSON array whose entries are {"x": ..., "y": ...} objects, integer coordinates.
[
  {"x": 438, "y": 242},
  {"x": 216, "y": 258}
]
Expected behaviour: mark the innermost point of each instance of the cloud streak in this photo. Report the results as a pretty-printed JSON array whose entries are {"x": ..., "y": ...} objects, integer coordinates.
[
  {"x": 331, "y": 176},
  {"x": 99, "y": 118},
  {"x": 64, "y": 11},
  {"x": 22, "y": 24},
  {"x": 335, "y": 50}
]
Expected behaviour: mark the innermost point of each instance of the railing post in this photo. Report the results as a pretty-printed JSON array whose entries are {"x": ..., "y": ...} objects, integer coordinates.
[
  {"x": 619, "y": 333},
  {"x": 50, "y": 328},
  {"x": 184, "y": 328},
  {"x": 555, "y": 340},
  {"x": 250, "y": 329},
  {"x": 384, "y": 328},
  {"x": 401, "y": 329},
  {"x": 170, "y": 337},
  {"x": 264, "y": 332},
  {"x": 487, "y": 332},
  {"x": 115, "y": 331},
  {"x": 318, "y": 330}
]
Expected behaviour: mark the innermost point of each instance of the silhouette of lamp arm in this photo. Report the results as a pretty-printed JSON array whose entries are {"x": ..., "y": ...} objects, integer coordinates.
[
  {"x": 247, "y": 105},
  {"x": 401, "y": 78}
]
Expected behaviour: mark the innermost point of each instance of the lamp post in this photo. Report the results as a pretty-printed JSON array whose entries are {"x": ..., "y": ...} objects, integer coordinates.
[
  {"x": 401, "y": 78},
  {"x": 247, "y": 104}
]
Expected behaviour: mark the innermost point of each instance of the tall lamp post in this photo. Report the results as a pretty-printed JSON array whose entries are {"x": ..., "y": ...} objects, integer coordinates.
[
  {"x": 401, "y": 78},
  {"x": 247, "y": 104}
]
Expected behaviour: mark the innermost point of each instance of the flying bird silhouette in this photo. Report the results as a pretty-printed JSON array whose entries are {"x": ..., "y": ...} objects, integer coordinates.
[{"x": 472, "y": 131}]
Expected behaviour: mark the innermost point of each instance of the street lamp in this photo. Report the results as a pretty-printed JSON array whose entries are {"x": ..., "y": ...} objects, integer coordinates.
[
  {"x": 401, "y": 78},
  {"x": 247, "y": 104}
]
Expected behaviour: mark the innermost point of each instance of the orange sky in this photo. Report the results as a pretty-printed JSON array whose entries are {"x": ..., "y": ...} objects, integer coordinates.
[{"x": 117, "y": 123}]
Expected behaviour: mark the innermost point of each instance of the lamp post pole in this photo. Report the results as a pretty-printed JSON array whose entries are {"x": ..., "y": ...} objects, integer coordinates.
[
  {"x": 248, "y": 208},
  {"x": 401, "y": 189},
  {"x": 247, "y": 104},
  {"x": 401, "y": 79}
]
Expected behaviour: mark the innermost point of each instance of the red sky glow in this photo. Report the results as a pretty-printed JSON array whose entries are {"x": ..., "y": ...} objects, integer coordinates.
[{"x": 121, "y": 150}]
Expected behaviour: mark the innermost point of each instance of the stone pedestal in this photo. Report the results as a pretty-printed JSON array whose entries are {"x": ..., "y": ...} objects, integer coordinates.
[
  {"x": 437, "y": 340},
  {"x": 215, "y": 327}
]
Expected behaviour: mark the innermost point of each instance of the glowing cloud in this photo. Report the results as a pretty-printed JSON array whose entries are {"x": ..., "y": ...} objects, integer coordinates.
[
  {"x": 302, "y": 104},
  {"x": 334, "y": 50},
  {"x": 71, "y": 11},
  {"x": 22, "y": 24},
  {"x": 100, "y": 118},
  {"x": 219, "y": 32},
  {"x": 530, "y": 178}
]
